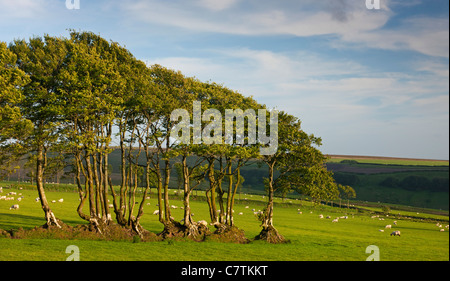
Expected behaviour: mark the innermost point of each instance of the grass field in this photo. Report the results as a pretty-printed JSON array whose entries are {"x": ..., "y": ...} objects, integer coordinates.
[
  {"x": 311, "y": 238},
  {"x": 389, "y": 160}
]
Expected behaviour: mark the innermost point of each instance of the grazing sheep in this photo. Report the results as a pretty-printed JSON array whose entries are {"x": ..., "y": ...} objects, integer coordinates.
[
  {"x": 241, "y": 213},
  {"x": 37, "y": 199},
  {"x": 300, "y": 213},
  {"x": 53, "y": 201},
  {"x": 173, "y": 207},
  {"x": 246, "y": 207},
  {"x": 203, "y": 222},
  {"x": 441, "y": 230},
  {"x": 14, "y": 207},
  {"x": 381, "y": 230},
  {"x": 396, "y": 233},
  {"x": 388, "y": 226},
  {"x": 156, "y": 212},
  {"x": 395, "y": 222},
  {"x": 61, "y": 200},
  {"x": 320, "y": 216},
  {"x": 335, "y": 220}
]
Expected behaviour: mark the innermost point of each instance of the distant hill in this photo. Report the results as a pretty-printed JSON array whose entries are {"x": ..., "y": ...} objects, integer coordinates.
[{"x": 412, "y": 182}]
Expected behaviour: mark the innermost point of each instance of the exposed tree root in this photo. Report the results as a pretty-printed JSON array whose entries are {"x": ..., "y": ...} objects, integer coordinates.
[
  {"x": 226, "y": 233},
  {"x": 271, "y": 235},
  {"x": 175, "y": 229},
  {"x": 52, "y": 221}
]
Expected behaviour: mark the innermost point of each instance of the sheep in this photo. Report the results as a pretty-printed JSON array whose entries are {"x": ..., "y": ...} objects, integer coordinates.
[
  {"x": 328, "y": 217},
  {"x": 335, "y": 220},
  {"x": 395, "y": 222},
  {"x": 320, "y": 216},
  {"x": 156, "y": 212},
  {"x": 19, "y": 199},
  {"x": 61, "y": 200},
  {"x": 203, "y": 222},
  {"x": 14, "y": 207},
  {"x": 381, "y": 230},
  {"x": 246, "y": 207},
  {"x": 396, "y": 233},
  {"x": 441, "y": 230},
  {"x": 37, "y": 199},
  {"x": 388, "y": 226},
  {"x": 173, "y": 207},
  {"x": 241, "y": 213},
  {"x": 53, "y": 201}
]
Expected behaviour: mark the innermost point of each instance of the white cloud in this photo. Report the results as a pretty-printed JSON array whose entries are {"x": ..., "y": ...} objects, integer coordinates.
[
  {"x": 340, "y": 100},
  {"x": 216, "y": 5},
  {"x": 22, "y": 9},
  {"x": 349, "y": 20}
]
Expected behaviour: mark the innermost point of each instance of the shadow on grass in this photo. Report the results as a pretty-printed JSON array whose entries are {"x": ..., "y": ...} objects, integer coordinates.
[{"x": 10, "y": 221}]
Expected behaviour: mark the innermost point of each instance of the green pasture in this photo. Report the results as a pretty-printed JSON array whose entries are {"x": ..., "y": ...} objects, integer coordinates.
[
  {"x": 311, "y": 238},
  {"x": 392, "y": 161}
]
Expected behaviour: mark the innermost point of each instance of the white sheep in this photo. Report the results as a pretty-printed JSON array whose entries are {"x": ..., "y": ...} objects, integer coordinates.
[
  {"x": 203, "y": 222},
  {"x": 156, "y": 212},
  {"x": 61, "y": 200},
  {"x": 388, "y": 226},
  {"x": 381, "y": 230},
  {"x": 396, "y": 233},
  {"x": 335, "y": 220},
  {"x": 37, "y": 199},
  {"x": 441, "y": 230},
  {"x": 320, "y": 216},
  {"x": 14, "y": 207},
  {"x": 241, "y": 213}
]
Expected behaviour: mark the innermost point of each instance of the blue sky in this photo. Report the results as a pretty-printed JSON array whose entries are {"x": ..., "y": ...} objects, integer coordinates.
[{"x": 369, "y": 82}]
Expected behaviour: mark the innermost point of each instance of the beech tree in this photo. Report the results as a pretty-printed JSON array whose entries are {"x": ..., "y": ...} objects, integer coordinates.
[
  {"x": 64, "y": 96},
  {"x": 42, "y": 59},
  {"x": 299, "y": 165}
]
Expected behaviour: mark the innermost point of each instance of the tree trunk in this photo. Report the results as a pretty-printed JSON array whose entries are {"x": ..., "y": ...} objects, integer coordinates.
[
  {"x": 268, "y": 232},
  {"x": 50, "y": 218}
]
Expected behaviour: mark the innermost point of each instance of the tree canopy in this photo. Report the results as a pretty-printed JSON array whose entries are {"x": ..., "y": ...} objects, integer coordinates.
[{"x": 78, "y": 95}]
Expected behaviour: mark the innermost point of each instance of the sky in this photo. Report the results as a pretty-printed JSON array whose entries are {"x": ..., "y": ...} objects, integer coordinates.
[{"x": 367, "y": 81}]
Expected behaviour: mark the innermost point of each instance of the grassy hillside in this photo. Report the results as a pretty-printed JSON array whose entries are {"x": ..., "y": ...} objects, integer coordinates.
[
  {"x": 413, "y": 182},
  {"x": 418, "y": 183},
  {"x": 312, "y": 238}
]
